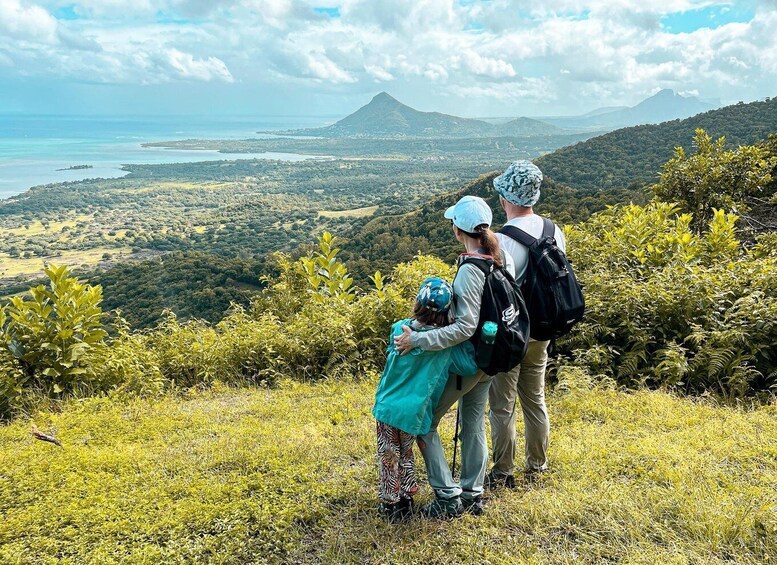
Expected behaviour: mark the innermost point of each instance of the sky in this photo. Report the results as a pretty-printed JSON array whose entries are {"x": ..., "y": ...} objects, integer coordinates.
[{"x": 329, "y": 57}]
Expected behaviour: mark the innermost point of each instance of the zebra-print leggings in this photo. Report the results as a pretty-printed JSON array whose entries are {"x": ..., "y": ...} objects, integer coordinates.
[{"x": 397, "y": 464}]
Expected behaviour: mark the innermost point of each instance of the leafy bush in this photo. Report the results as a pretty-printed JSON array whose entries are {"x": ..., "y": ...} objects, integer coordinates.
[
  {"x": 129, "y": 365},
  {"x": 12, "y": 378},
  {"x": 670, "y": 307},
  {"x": 305, "y": 325},
  {"x": 714, "y": 178},
  {"x": 56, "y": 335},
  {"x": 666, "y": 307}
]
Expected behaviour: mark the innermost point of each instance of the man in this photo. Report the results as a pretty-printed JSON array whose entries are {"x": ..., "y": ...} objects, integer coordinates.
[{"x": 519, "y": 190}]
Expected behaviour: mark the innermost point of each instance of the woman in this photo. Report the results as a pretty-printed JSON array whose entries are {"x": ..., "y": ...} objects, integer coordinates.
[{"x": 471, "y": 219}]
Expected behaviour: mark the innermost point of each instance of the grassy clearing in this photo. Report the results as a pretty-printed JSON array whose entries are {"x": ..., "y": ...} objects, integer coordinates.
[
  {"x": 355, "y": 213},
  {"x": 33, "y": 266},
  {"x": 39, "y": 228},
  {"x": 179, "y": 185},
  {"x": 226, "y": 476}
]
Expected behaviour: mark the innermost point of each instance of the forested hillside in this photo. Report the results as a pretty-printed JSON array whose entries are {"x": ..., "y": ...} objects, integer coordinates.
[
  {"x": 190, "y": 284},
  {"x": 386, "y": 240},
  {"x": 635, "y": 155}
]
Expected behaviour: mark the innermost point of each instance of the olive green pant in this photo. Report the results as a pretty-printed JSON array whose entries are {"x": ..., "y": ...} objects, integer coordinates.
[{"x": 527, "y": 382}]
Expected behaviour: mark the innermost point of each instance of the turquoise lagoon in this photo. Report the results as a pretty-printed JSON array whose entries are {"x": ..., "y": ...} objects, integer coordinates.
[{"x": 33, "y": 148}]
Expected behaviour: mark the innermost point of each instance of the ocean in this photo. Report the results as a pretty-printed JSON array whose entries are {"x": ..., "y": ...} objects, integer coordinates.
[{"x": 34, "y": 148}]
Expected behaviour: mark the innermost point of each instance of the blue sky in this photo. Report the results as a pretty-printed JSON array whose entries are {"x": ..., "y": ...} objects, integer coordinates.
[{"x": 314, "y": 57}]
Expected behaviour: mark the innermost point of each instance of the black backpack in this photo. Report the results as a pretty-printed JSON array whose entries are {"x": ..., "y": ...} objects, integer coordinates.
[
  {"x": 503, "y": 304},
  {"x": 554, "y": 296}
]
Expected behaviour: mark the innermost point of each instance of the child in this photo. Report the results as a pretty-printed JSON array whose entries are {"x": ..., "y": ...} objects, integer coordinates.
[{"x": 409, "y": 389}]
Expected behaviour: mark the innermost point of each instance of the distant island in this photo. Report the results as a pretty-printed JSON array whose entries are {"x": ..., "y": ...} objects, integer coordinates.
[{"x": 77, "y": 168}]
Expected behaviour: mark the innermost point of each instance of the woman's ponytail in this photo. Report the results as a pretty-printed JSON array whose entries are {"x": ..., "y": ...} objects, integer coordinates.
[{"x": 488, "y": 242}]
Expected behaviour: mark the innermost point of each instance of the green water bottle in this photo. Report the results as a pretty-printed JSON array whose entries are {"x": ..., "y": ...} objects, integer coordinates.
[{"x": 486, "y": 343}]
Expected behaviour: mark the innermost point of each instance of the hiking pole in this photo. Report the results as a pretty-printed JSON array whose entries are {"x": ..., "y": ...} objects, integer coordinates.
[
  {"x": 456, "y": 433},
  {"x": 455, "y": 442}
]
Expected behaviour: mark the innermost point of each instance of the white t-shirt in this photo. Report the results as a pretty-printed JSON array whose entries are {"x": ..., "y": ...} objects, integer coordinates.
[{"x": 533, "y": 226}]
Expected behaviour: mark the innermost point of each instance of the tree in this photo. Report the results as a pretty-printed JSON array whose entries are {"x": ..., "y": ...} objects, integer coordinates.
[{"x": 714, "y": 178}]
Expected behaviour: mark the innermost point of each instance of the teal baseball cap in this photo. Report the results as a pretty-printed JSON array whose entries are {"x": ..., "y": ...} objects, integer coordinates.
[
  {"x": 469, "y": 213},
  {"x": 435, "y": 294}
]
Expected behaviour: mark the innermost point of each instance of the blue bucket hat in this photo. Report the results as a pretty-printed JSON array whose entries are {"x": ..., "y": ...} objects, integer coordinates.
[
  {"x": 469, "y": 213},
  {"x": 520, "y": 183},
  {"x": 435, "y": 294}
]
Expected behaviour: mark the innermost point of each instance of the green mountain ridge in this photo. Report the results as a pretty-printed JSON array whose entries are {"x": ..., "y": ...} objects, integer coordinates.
[{"x": 636, "y": 154}]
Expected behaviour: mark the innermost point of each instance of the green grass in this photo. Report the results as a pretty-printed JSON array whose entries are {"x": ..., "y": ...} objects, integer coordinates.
[
  {"x": 289, "y": 475},
  {"x": 33, "y": 266},
  {"x": 355, "y": 213}
]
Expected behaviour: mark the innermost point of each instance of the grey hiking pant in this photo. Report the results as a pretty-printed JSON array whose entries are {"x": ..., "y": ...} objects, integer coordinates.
[
  {"x": 472, "y": 398},
  {"x": 527, "y": 382}
]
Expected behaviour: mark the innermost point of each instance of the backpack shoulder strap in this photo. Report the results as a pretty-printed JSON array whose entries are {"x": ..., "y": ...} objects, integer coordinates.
[
  {"x": 548, "y": 228},
  {"x": 485, "y": 265},
  {"x": 518, "y": 235}
]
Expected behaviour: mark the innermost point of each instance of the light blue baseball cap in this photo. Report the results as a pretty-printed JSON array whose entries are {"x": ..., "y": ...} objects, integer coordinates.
[{"x": 469, "y": 213}]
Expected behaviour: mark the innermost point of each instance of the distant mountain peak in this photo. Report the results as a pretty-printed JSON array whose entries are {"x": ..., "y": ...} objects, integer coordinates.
[
  {"x": 385, "y": 116},
  {"x": 384, "y": 96},
  {"x": 664, "y": 105}
]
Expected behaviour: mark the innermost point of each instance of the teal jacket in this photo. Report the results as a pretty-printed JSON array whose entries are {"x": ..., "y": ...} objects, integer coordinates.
[{"x": 411, "y": 384}]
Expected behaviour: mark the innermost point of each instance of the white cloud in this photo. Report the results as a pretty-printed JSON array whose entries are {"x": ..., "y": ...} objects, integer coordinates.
[
  {"x": 487, "y": 66},
  {"x": 186, "y": 66},
  {"x": 27, "y": 22},
  {"x": 379, "y": 73},
  {"x": 321, "y": 67},
  {"x": 77, "y": 41},
  {"x": 435, "y": 72},
  {"x": 583, "y": 53}
]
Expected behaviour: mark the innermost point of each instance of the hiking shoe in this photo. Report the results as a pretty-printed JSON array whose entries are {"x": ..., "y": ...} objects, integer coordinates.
[
  {"x": 406, "y": 507},
  {"x": 391, "y": 512},
  {"x": 494, "y": 481},
  {"x": 473, "y": 506},
  {"x": 532, "y": 476},
  {"x": 443, "y": 508}
]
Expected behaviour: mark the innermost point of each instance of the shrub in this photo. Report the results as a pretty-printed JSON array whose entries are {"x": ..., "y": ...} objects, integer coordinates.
[
  {"x": 12, "y": 378},
  {"x": 56, "y": 335},
  {"x": 129, "y": 365},
  {"x": 666, "y": 306},
  {"x": 714, "y": 178}
]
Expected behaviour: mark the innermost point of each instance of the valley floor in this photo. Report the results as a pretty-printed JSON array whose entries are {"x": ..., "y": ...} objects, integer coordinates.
[{"x": 289, "y": 475}]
